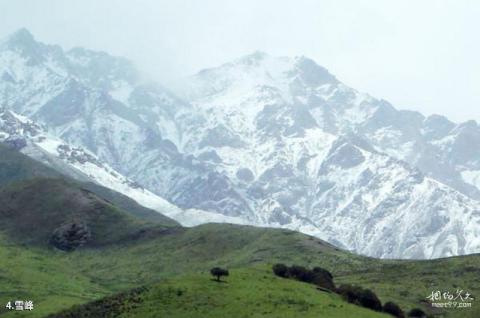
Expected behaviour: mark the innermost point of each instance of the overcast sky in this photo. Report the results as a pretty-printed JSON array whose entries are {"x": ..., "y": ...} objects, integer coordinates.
[{"x": 421, "y": 55}]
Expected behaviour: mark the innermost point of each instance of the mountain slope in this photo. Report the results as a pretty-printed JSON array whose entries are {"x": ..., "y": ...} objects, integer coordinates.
[
  {"x": 299, "y": 161},
  {"x": 99, "y": 102},
  {"x": 23, "y": 134},
  {"x": 111, "y": 249},
  {"x": 16, "y": 167},
  {"x": 56, "y": 280},
  {"x": 27, "y": 136},
  {"x": 438, "y": 147},
  {"x": 262, "y": 140},
  {"x": 52, "y": 211},
  {"x": 246, "y": 293}
]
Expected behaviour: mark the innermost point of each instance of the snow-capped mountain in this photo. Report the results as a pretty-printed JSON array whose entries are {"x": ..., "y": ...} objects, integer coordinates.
[
  {"x": 24, "y": 135},
  {"x": 438, "y": 147},
  {"x": 263, "y": 140},
  {"x": 294, "y": 140},
  {"x": 99, "y": 102}
]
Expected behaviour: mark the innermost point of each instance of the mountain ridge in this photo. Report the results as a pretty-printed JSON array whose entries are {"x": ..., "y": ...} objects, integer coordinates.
[
  {"x": 79, "y": 243},
  {"x": 326, "y": 101},
  {"x": 273, "y": 142}
]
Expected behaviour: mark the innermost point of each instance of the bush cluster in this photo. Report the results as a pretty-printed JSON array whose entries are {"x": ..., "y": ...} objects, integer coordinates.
[
  {"x": 368, "y": 299},
  {"x": 417, "y": 313},
  {"x": 360, "y": 296},
  {"x": 353, "y": 294},
  {"x": 393, "y": 309},
  {"x": 318, "y": 276}
]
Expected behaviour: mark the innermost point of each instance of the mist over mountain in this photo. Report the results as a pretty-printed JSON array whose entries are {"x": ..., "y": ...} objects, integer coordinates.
[{"x": 264, "y": 140}]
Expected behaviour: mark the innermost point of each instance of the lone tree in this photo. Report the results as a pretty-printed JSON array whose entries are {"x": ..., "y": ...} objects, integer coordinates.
[{"x": 218, "y": 272}]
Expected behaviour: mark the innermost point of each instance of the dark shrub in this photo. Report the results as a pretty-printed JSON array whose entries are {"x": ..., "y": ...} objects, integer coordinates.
[
  {"x": 296, "y": 271},
  {"x": 280, "y": 270},
  {"x": 319, "y": 270},
  {"x": 318, "y": 276},
  {"x": 349, "y": 293},
  {"x": 70, "y": 236},
  {"x": 219, "y": 272},
  {"x": 393, "y": 309},
  {"x": 417, "y": 313},
  {"x": 369, "y": 299},
  {"x": 323, "y": 278},
  {"x": 301, "y": 273},
  {"x": 360, "y": 296}
]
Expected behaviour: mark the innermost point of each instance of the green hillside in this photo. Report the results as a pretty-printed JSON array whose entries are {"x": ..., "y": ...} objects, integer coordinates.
[
  {"x": 253, "y": 292},
  {"x": 56, "y": 280},
  {"x": 118, "y": 247},
  {"x": 32, "y": 211},
  {"x": 16, "y": 167},
  {"x": 129, "y": 205}
]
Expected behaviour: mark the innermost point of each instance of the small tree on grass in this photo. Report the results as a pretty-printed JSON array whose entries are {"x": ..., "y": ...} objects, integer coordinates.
[{"x": 218, "y": 272}]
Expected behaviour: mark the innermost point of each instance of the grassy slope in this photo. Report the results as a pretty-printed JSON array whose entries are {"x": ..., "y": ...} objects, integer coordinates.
[
  {"x": 55, "y": 280},
  {"x": 31, "y": 210},
  {"x": 253, "y": 292},
  {"x": 16, "y": 167},
  {"x": 197, "y": 249},
  {"x": 129, "y": 205},
  {"x": 41, "y": 276}
]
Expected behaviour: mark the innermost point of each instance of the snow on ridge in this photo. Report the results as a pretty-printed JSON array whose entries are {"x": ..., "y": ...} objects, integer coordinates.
[
  {"x": 89, "y": 165},
  {"x": 472, "y": 177},
  {"x": 352, "y": 196},
  {"x": 121, "y": 91},
  {"x": 278, "y": 123}
]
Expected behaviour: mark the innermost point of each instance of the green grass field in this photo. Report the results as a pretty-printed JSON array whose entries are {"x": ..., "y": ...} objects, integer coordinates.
[
  {"x": 131, "y": 247},
  {"x": 253, "y": 292},
  {"x": 55, "y": 280}
]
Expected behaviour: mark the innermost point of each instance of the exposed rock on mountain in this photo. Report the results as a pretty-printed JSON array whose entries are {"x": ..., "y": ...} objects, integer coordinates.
[{"x": 262, "y": 140}]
